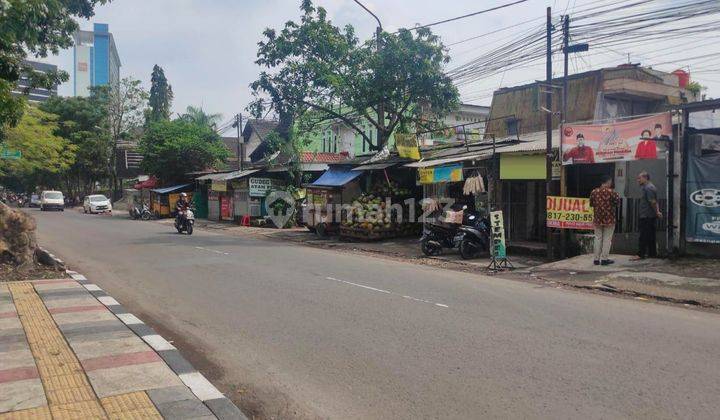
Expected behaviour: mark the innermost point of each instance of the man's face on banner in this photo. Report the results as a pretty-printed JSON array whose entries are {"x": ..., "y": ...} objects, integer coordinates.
[
  {"x": 581, "y": 140},
  {"x": 658, "y": 130}
]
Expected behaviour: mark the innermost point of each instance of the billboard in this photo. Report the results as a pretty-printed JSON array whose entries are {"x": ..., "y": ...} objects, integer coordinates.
[
  {"x": 635, "y": 139},
  {"x": 569, "y": 213},
  {"x": 703, "y": 199}
]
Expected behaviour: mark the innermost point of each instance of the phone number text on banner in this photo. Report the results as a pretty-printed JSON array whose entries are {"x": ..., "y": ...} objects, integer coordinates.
[{"x": 569, "y": 213}]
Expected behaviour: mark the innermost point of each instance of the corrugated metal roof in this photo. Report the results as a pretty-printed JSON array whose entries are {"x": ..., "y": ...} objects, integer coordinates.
[
  {"x": 437, "y": 162},
  {"x": 373, "y": 166},
  {"x": 214, "y": 176},
  {"x": 237, "y": 174},
  {"x": 174, "y": 188}
]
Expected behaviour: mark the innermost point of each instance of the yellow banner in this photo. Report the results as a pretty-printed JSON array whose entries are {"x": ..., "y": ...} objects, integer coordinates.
[
  {"x": 426, "y": 175},
  {"x": 218, "y": 186},
  {"x": 407, "y": 146},
  {"x": 569, "y": 213}
]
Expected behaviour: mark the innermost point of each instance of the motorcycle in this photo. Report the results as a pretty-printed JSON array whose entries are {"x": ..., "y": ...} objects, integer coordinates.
[
  {"x": 474, "y": 238},
  {"x": 142, "y": 213},
  {"x": 439, "y": 235},
  {"x": 184, "y": 221},
  {"x": 134, "y": 212}
]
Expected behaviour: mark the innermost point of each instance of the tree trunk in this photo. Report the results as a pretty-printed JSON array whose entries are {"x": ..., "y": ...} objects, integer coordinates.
[{"x": 17, "y": 237}]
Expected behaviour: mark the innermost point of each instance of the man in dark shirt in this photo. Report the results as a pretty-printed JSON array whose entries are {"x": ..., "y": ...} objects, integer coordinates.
[
  {"x": 580, "y": 153},
  {"x": 649, "y": 213}
]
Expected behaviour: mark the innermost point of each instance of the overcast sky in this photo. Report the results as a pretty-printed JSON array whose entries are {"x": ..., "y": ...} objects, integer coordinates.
[{"x": 207, "y": 47}]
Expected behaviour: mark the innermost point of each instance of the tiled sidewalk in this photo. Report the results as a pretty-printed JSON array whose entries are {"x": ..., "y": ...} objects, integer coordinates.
[{"x": 68, "y": 350}]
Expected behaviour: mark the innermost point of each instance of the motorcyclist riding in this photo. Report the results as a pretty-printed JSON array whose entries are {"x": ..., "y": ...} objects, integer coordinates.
[{"x": 182, "y": 204}]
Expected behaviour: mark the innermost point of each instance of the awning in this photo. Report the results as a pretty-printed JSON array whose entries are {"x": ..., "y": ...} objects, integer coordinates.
[
  {"x": 170, "y": 189},
  {"x": 374, "y": 166},
  {"x": 237, "y": 174},
  {"x": 336, "y": 177},
  {"x": 437, "y": 162},
  {"x": 148, "y": 183},
  {"x": 211, "y": 177}
]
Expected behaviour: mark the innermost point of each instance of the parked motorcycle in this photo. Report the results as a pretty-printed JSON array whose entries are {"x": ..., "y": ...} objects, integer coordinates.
[
  {"x": 184, "y": 221},
  {"x": 474, "y": 237},
  {"x": 134, "y": 212},
  {"x": 140, "y": 212},
  {"x": 438, "y": 235}
]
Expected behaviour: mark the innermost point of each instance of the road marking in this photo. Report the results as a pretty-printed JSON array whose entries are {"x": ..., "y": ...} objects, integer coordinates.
[
  {"x": 212, "y": 250},
  {"x": 374, "y": 289}
]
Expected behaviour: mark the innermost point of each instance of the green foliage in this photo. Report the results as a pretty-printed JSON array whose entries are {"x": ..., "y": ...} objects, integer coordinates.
[
  {"x": 315, "y": 68},
  {"x": 198, "y": 116},
  {"x": 161, "y": 96},
  {"x": 44, "y": 154},
  {"x": 173, "y": 148},
  {"x": 38, "y": 28},
  {"x": 82, "y": 122},
  {"x": 695, "y": 87}
]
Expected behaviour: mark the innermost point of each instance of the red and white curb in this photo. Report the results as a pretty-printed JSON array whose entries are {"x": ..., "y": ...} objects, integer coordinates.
[{"x": 205, "y": 391}]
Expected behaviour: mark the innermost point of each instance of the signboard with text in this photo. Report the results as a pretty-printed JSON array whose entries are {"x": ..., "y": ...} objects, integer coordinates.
[
  {"x": 636, "y": 139},
  {"x": 497, "y": 227},
  {"x": 569, "y": 213},
  {"x": 407, "y": 146},
  {"x": 260, "y": 187},
  {"x": 703, "y": 199}
]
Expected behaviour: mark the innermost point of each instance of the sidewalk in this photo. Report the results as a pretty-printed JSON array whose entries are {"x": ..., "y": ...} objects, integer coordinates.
[
  {"x": 68, "y": 350},
  {"x": 684, "y": 280}
]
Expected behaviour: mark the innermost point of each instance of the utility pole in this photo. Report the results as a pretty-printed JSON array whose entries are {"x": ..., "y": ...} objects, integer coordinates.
[
  {"x": 548, "y": 123},
  {"x": 238, "y": 125},
  {"x": 381, "y": 105}
]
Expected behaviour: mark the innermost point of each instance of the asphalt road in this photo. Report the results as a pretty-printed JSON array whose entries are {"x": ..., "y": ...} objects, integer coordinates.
[{"x": 308, "y": 333}]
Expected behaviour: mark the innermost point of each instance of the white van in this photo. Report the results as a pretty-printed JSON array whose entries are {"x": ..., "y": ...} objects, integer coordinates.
[{"x": 52, "y": 200}]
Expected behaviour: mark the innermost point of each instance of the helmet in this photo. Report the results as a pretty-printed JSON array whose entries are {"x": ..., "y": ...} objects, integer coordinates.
[{"x": 183, "y": 195}]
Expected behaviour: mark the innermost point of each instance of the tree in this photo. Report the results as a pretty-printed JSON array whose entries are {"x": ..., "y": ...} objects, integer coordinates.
[
  {"x": 37, "y": 28},
  {"x": 171, "y": 149},
  {"x": 161, "y": 96},
  {"x": 125, "y": 108},
  {"x": 315, "y": 68},
  {"x": 198, "y": 116},
  {"x": 44, "y": 154},
  {"x": 82, "y": 122}
]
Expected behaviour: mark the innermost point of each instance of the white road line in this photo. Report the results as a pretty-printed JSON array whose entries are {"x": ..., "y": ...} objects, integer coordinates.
[
  {"x": 441, "y": 305},
  {"x": 212, "y": 250}
]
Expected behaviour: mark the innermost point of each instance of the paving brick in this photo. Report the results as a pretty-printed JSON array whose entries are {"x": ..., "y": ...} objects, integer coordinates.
[
  {"x": 184, "y": 409},
  {"x": 38, "y": 413},
  {"x": 142, "y": 329},
  {"x": 134, "y": 405},
  {"x": 176, "y": 362},
  {"x": 223, "y": 409},
  {"x": 75, "y": 317},
  {"x": 19, "y": 395},
  {"x": 11, "y": 342},
  {"x": 52, "y": 294},
  {"x": 108, "y": 346},
  {"x": 122, "y": 380},
  {"x": 20, "y": 357},
  {"x": 170, "y": 394}
]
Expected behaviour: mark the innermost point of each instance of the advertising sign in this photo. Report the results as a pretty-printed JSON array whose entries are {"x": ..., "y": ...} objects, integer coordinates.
[
  {"x": 407, "y": 146},
  {"x": 218, "y": 186},
  {"x": 259, "y": 187},
  {"x": 569, "y": 213},
  {"x": 703, "y": 199},
  {"x": 449, "y": 173},
  {"x": 10, "y": 154},
  {"x": 621, "y": 141},
  {"x": 497, "y": 226}
]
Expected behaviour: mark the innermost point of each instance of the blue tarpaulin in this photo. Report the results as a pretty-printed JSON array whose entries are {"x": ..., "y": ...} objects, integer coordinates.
[
  {"x": 336, "y": 177},
  {"x": 170, "y": 189}
]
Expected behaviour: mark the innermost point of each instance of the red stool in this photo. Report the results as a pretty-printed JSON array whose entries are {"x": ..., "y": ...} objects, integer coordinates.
[{"x": 245, "y": 221}]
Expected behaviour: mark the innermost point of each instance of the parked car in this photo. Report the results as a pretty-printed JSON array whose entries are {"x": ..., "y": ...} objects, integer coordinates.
[
  {"x": 34, "y": 200},
  {"x": 52, "y": 200},
  {"x": 96, "y": 203}
]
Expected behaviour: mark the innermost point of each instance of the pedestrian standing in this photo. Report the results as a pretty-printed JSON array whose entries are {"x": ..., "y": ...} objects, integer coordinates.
[
  {"x": 649, "y": 213},
  {"x": 604, "y": 201}
]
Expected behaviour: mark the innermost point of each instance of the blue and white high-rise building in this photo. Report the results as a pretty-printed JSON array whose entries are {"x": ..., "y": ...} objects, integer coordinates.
[{"x": 96, "y": 60}]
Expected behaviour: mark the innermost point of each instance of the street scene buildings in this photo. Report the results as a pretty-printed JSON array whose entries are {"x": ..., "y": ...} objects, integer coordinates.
[{"x": 404, "y": 210}]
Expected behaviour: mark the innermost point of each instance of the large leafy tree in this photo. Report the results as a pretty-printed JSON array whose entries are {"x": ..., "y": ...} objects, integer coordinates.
[
  {"x": 171, "y": 149},
  {"x": 197, "y": 115},
  {"x": 161, "y": 96},
  {"x": 44, "y": 153},
  {"x": 124, "y": 105},
  {"x": 82, "y": 122},
  {"x": 37, "y": 28},
  {"x": 316, "y": 70}
]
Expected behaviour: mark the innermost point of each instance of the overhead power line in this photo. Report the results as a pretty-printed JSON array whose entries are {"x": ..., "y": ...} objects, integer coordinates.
[{"x": 502, "y": 6}]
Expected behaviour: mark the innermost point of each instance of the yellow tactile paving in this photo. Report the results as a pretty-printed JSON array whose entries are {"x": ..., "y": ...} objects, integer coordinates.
[
  {"x": 135, "y": 405},
  {"x": 38, "y": 413}
]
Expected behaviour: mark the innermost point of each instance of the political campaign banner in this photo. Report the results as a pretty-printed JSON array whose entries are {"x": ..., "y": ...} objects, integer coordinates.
[
  {"x": 407, "y": 146},
  {"x": 640, "y": 138},
  {"x": 569, "y": 213}
]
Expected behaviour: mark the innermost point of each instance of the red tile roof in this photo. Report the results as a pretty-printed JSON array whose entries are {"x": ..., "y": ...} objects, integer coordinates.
[{"x": 323, "y": 157}]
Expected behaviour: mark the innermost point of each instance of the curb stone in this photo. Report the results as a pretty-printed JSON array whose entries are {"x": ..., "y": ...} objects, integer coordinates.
[{"x": 205, "y": 391}]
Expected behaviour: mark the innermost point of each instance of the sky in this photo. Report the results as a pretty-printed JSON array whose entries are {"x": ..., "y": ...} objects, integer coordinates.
[{"x": 208, "y": 47}]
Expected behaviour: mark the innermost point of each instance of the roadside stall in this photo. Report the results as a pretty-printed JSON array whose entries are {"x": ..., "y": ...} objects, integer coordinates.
[
  {"x": 326, "y": 196},
  {"x": 163, "y": 200}
]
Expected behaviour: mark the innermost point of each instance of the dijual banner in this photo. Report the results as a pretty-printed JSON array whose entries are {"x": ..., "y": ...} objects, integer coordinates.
[
  {"x": 621, "y": 141},
  {"x": 569, "y": 213}
]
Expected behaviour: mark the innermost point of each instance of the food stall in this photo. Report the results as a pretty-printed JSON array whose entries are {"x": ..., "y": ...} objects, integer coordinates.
[
  {"x": 337, "y": 186},
  {"x": 163, "y": 200}
]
